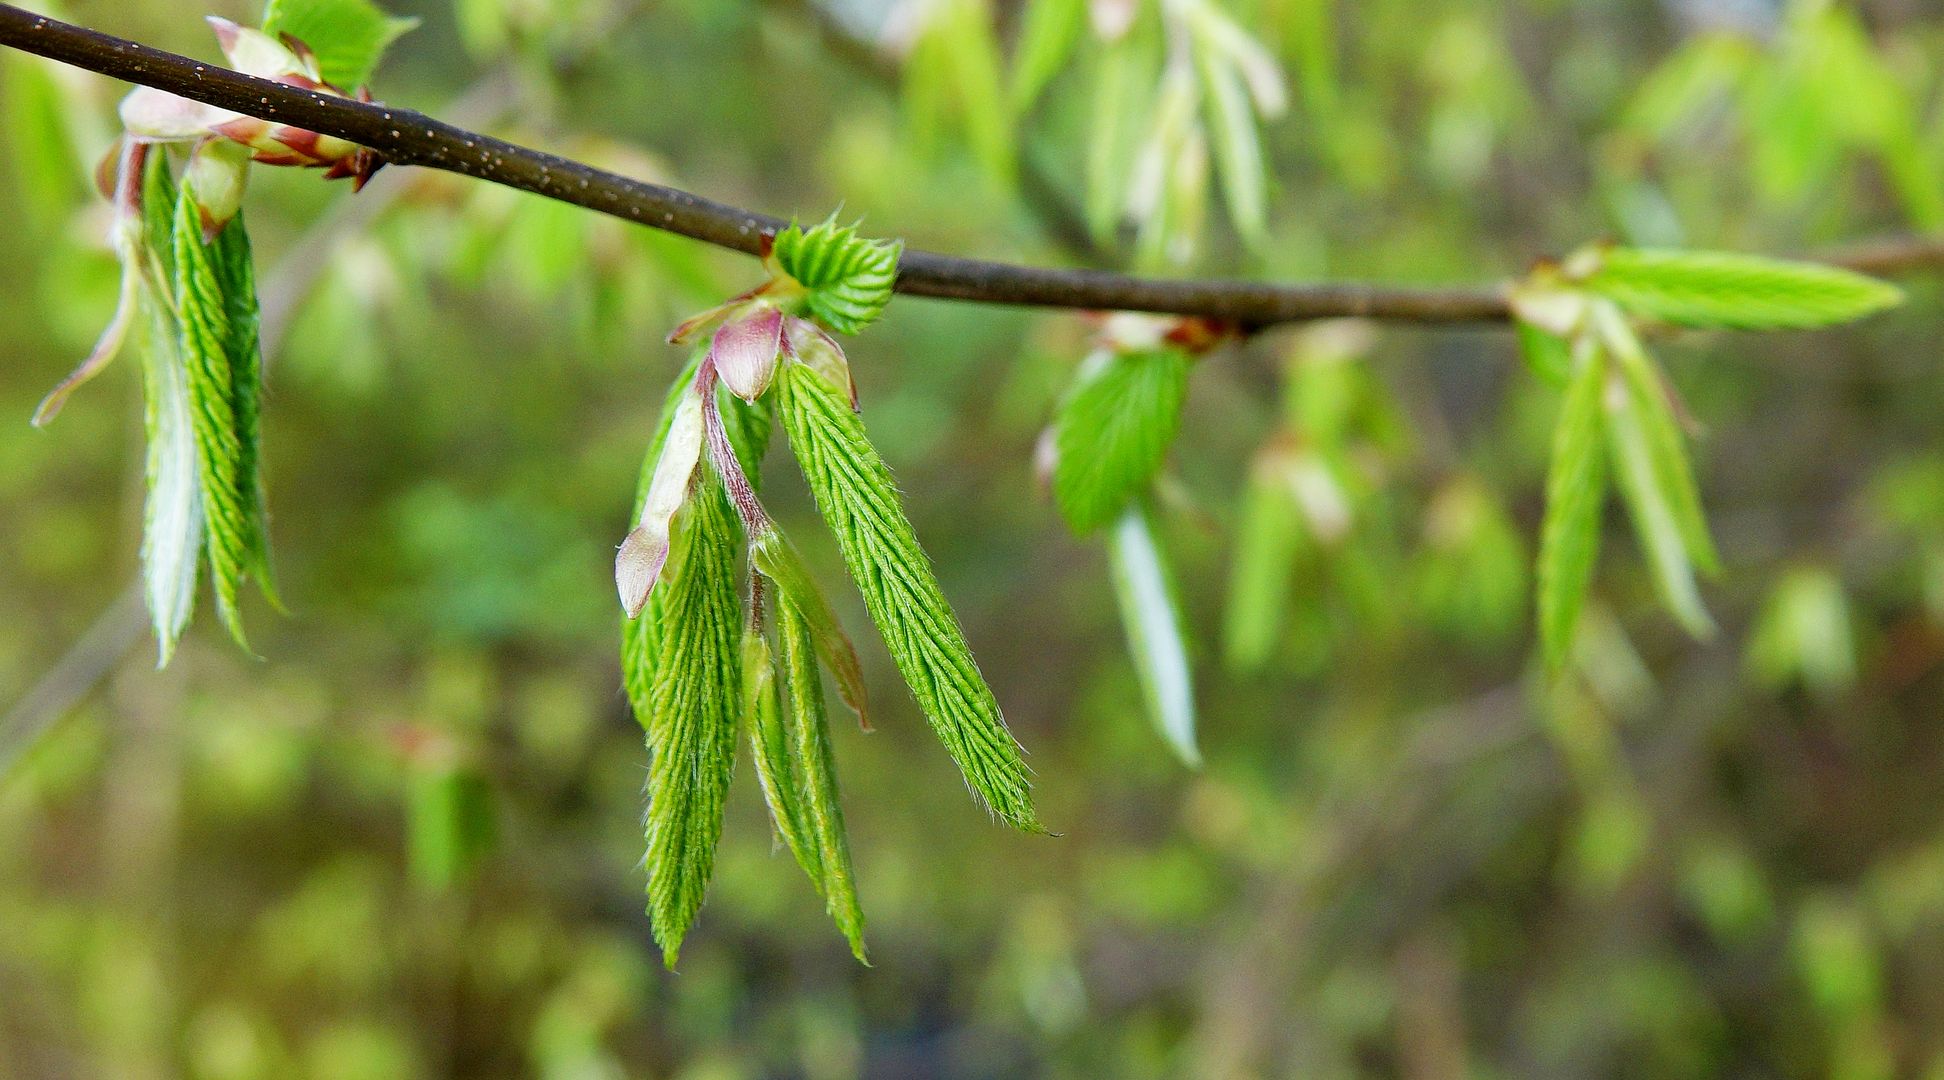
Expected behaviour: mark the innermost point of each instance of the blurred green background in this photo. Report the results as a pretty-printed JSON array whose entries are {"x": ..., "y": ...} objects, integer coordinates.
[{"x": 406, "y": 842}]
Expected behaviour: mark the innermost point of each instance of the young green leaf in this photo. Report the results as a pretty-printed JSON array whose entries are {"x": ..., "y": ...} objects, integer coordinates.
[
  {"x": 641, "y": 635},
  {"x": 816, "y": 765},
  {"x": 972, "y": 63},
  {"x": 348, "y": 36},
  {"x": 1155, "y": 639},
  {"x": 1651, "y": 507},
  {"x": 1649, "y": 394},
  {"x": 1575, "y": 485},
  {"x": 762, "y": 708},
  {"x": 693, "y": 701},
  {"x": 1114, "y": 430},
  {"x": 773, "y": 557},
  {"x": 235, "y": 266},
  {"x": 859, "y": 501},
  {"x": 1546, "y": 354},
  {"x": 847, "y": 279},
  {"x": 212, "y": 356},
  {"x": 1717, "y": 289}
]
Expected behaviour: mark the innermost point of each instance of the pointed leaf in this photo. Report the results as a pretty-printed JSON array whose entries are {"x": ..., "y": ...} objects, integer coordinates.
[
  {"x": 1717, "y": 289},
  {"x": 693, "y": 703},
  {"x": 772, "y": 556},
  {"x": 1575, "y": 485},
  {"x": 1114, "y": 430},
  {"x": 1652, "y": 511},
  {"x": 817, "y": 770},
  {"x": 1649, "y": 393},
  {"x": 1047, "y": 36},
  {"x": 1154, "y": 635},
  {"x": 859, "y": 501}
]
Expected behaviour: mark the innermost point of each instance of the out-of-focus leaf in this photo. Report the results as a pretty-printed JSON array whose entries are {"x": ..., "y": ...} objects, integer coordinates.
[
  {"x": 1546, "y": 355},
  {"x": 976, "y": 72},
  {"x": 1575, "y": 485},
  {"x": 1047, "y": 35},
  {"x": 451, "y": 823},
  {"x": 348, "y": 36},
  {"x": 1718, "y": 289},
  {"x": 38, "y": 150},
  {"x": 1651, "y": 508},
  {"x": 1120, "y": 106},
  {"x": 1649, "y": 394},
  {"x": 1238, "y": 145},
  {"x": 1155, "y": 639},
  {"x": 1266, "y": 544},
  {"x": 1114, "y": 430},
  {"x": 1804, "y": 634}
]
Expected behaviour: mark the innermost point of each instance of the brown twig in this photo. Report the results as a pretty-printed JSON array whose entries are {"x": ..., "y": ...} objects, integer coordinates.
[{"x": 405, "y": 137}]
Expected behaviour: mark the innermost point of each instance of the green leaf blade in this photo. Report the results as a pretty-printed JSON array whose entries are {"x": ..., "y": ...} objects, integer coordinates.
[
  {"x": 691, "y": 717},
  {"x": 1114, "y": 431},
  {"x": 847, "y": 279},
  {"x": 209, "y": 343},
  {"x": 815, "y": 761},
  {"x": 859, "y": 502},
  {"x": 348, "y": 36},
  {"x": 1575, "y": 485},
  {"x": 1155, "y": 640},
  {"x": 1747, "y": 292}
]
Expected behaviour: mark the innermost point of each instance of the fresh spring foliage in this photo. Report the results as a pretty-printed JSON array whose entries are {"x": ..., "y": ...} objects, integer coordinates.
[
  {"x": 1104, "y": 452},
  {"x": 1619, "y": 409},
  {"x": 697, "y": 652},
  {"x": 186, "y": 261}
]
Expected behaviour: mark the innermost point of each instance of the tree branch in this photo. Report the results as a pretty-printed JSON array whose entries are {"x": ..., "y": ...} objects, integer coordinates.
[{"x": 405, "y": 137}]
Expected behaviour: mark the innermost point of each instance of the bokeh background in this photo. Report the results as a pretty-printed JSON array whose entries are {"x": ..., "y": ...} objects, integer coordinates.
[{"x": 406, "y": 841}]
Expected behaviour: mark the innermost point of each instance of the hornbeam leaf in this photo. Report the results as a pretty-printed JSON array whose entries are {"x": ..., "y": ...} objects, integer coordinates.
[
  {"x": 859, "y": 502},
  {"x": 1667, "y": 448},
  {"x": 770, "y": 742},
  {"x": 772, "y": 556},
  {"x": 1154, "y": 634},
  {"x": 692, "y": 704},
  {"x": 847, "y": 279},
  {"x": 209, "y": 345},
  {"x": 1575, "y": 485},
  {"x": 1718, "y": 289},
  {"x": 348, "y": 36},
  {"x": 1114, "y": 430},
  {"x": 1652, "y": 510},
  {"x": 1548, "y": 355},
  {"x": 809, "y": 734},
  {"x": 640, "y": 635},
  {"x": 235, "y": 266}
]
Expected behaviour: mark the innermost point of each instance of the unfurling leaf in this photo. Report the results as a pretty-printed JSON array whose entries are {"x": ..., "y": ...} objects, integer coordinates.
[
  {"x": 692, "y": 704},
  {"x": 1238, "y": 145},
  {"x": 809, "y": 732},
  {"x": 773, "y": 557},
  {"x": 1575, "y": 489},
  {"x": 218, "y": 342},
  {"x": 859, "y": 502},
  {"x": 1154, "y": 635},
  {"x": 348, "y": 37},
  {"x": 846, "y": 278},
  {"x": 1114, "y": 430},
  {"x": 1717, "y": 289},
  {"x": 791, "y": 740},
  {"x": 769, "y": 740},
  {"x": 172, "y": 514}
]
